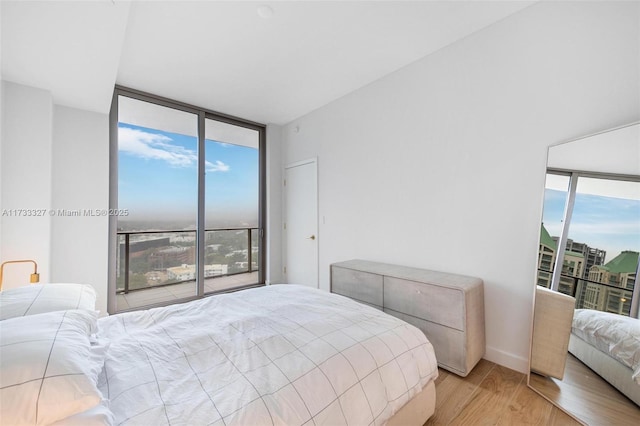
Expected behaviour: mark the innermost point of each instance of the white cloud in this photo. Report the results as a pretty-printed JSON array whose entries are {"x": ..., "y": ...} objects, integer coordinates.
[
  {"x": 219, "y": 166},
  {"x": 154, "y": 146}
]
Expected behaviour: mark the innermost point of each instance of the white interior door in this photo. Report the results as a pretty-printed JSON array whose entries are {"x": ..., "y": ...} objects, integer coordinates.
[{"x": 301, "y": 223}]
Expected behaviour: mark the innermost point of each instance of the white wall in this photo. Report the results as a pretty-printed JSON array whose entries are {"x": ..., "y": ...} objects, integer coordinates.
[
  {"x": 80, "y": 182},
  {"x": 53, "y": 158},
  {"x": 26, "y": 181},
  {"x": 441, "y": 164}
]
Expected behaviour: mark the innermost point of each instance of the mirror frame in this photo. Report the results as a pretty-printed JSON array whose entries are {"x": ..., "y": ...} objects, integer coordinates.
[{"x": 636, "y": 292}]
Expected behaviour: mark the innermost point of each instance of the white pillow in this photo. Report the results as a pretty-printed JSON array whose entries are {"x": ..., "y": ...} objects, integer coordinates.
[
  {"x": 48, "y": 370},
  {"x": 39, "y": 298}
]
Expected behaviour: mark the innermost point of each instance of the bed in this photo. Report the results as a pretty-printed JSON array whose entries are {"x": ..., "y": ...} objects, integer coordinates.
[
  {"x": 609, "y": 344},
  {"x": 281, "y": 354}
]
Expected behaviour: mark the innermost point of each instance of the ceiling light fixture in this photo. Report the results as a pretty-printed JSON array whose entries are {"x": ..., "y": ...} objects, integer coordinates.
[{"x": 265, "y": 12}]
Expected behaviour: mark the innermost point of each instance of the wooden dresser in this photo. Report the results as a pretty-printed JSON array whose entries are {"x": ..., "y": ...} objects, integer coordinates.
[{"x": 448, "y": 308}]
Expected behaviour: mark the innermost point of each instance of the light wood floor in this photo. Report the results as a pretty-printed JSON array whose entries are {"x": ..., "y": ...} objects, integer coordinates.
[
  {"x": 585, "y": 394},
  {"x": 492, "y": 395}
]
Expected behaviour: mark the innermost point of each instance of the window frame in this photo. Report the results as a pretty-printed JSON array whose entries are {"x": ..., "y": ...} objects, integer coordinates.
[
  {"x": 574, "y": 176},
  {"x": 203, "y": 114}
]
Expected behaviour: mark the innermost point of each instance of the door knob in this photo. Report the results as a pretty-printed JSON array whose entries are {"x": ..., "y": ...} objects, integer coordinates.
[{"x": 313, "y": 237}]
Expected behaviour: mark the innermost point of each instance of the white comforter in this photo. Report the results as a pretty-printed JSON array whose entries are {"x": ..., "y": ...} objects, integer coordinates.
[
  {"x": 281, "y": 354},
  {"x": 616, "y": 335}
]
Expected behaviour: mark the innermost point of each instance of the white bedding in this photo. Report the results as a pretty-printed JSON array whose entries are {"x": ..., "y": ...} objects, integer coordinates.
[
  {"x": 281, "y": 354},
  {"x": 40, "y": 298},
  {"x": 48, "y": 367},
  {"x": 615, "y": 335}
]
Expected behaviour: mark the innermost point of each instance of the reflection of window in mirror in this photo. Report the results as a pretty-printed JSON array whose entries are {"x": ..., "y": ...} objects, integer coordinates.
[
  {"x": 555, "y": 197},
  {"x": 598, "y": 258}
]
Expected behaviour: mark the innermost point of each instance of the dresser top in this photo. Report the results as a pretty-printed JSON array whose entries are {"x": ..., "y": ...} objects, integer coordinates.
[{"x": 443, "y": 279}]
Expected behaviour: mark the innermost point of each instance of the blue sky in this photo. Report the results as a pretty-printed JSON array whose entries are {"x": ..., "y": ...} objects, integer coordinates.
[
  {"x": 157, "y": 177},
  {"x": 611, "y": 224}
]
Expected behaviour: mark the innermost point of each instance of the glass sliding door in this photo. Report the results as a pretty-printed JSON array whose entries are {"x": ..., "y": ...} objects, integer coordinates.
[
  {"x": 187, "y": 191},
  {"x": 157, "y": 194},
  {"x": 232, "y": 205}
]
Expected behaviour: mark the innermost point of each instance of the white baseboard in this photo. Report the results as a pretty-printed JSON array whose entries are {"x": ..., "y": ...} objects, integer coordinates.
[{"x": 506, "y": 359}]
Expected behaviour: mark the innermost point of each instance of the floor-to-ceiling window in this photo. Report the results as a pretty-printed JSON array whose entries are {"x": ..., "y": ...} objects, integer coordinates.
[
  {"x": 231, "y": 211},
  {"x": 187, "y": 202},
  {"x": 590, "y": 239}
]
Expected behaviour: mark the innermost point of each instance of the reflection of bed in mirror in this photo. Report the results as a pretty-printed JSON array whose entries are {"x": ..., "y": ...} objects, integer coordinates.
[
  {"x": 609, "y": 344},
  {"x": 575, "y": 380}
]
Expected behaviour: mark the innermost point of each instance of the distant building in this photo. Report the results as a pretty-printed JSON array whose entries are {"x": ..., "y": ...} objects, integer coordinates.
[
  {"x": 573, "y": 264},
  {"x": 161, "y": 259},
  {"x": 619, "y": 272},
  {"x": 572, "y": 272},
  {"x": 546, "y": 257},
  {"x": 146, "y": 244},
  {"x": 187, "y": 272},
  {"x": 592, "y": 256},
  {"x": 137, "y": 249}
]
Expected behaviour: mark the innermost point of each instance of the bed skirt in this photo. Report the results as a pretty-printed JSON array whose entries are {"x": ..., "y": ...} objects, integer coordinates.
[
  {"x": 418, "y": 410},
  {"x": 614, "y": 372}
]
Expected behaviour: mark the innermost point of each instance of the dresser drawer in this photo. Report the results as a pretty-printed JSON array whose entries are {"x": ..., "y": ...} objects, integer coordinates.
[
  {"x": 363, "y": 286},
  {"x": 442, "y": 305},
  {"x": 447, "y": 308},
  {"x": 447, "y": 343}
]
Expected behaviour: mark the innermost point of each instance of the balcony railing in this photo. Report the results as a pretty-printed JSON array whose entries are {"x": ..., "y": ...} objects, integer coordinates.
[
  {"x": 595, "y": 295},
  {"x": 169, "y": 256}
]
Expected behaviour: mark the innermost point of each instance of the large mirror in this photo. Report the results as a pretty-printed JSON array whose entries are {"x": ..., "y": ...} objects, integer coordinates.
[{"x": 585, "y": 352}]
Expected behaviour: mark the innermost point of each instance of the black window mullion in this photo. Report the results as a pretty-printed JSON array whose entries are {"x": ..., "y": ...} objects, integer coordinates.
[{"x": 200, "y": 233}]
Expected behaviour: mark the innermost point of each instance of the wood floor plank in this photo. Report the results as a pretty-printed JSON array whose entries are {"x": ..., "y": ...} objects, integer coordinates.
[
  {"x": 442, "y": 374},
  {"x": 579, "y": 375},
  {"x": 527, "y": 408},
  {"x": 495, "y": 395},
  {"x": 453, "y": 392},
  {"x": 560, "y": 418},
  {"x": 491, "y": 398},
  {"x": 587, "y": 396}
]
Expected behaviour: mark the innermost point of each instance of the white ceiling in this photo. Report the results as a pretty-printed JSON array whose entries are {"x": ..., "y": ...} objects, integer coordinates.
[{"x": 222, "y": 55}]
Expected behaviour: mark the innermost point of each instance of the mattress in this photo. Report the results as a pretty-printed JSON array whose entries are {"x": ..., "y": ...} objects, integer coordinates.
[
  {"x": 615, "y": 335},
  {"x": 282, "y": 354}
]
